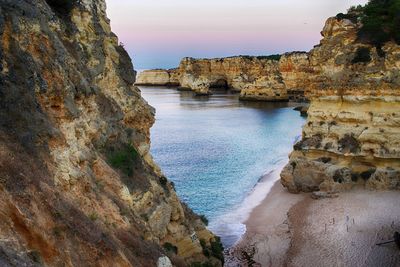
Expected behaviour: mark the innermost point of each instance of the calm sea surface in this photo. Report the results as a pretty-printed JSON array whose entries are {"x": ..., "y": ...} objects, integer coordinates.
[{"x": 215, "y": 149}]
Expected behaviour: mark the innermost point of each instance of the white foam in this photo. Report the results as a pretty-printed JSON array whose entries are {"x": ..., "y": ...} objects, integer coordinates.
[{"x": 230, "y": 226}]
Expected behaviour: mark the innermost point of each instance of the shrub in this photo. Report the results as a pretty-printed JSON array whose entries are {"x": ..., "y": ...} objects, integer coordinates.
[
  {"x": 381, "y": 22},
  {"x": 170, "y": 248},
  {"x": 276, "y": 57},
  {"x": 123, "y": 159},
  {"x": 353, "y": 13},
  {"x": 62, "y": 7},
  {"x": 93, "y": 216},
  {"x": 164, "y": 182},
  {"x": 363, "y": 55},
  {"x": 204, "y": 219},
  {"x": 352, "y": 17},
  {"x": 217, "y": 249},
  {"x": 206, "y": 251}
]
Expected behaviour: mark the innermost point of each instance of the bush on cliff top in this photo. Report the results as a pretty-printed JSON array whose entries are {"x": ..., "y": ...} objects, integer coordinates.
[
  {"x": 204, "y": 219},
  {"x": 62, "y": 7},
  {"x": 276, "y": 57},
  {"x": 381, "y": 22},
  {"x": 353, "y": 14}
]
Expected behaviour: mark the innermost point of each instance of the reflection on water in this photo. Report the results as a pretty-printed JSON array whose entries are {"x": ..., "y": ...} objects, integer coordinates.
[
  {"x": 215, "y": 149},
  {"x": 219, "y": 99}
]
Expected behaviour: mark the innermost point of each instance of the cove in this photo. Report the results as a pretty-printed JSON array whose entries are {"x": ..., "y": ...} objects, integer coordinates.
[{"x": 216, "y": 149}]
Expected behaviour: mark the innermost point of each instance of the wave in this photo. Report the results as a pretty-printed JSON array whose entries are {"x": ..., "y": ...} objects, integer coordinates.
[{"x": 231, "y": 226}]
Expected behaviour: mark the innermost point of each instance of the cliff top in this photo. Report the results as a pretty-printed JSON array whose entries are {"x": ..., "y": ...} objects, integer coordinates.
[{"x": 275, "y": 57}]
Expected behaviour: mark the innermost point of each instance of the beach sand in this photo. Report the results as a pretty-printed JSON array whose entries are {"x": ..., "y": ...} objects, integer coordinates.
[{"x": 296, "y": 230}]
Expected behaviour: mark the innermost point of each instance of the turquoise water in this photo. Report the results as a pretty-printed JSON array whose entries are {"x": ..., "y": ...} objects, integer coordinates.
[{"x": 215, "y": 149}]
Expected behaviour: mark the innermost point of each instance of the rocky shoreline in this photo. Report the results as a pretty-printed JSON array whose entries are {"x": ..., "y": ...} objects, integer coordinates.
[
  {"x": 348, "y": 157},
  {"x": 270, "y": 78},
  {"x": 351, "y": 136},
  {"x": 79, "y": 186}
]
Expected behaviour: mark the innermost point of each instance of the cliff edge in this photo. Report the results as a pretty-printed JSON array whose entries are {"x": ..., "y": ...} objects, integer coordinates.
[
  {"x": 78, "y": 186},
  {"x": 351, "y": 136}
]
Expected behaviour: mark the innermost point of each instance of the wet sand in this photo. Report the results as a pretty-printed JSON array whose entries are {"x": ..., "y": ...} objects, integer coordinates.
[{"x": 296, "y": 230}]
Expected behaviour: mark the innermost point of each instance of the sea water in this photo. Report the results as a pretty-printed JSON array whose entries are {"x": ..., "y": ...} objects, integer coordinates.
[{"x": 215, "y": 149}]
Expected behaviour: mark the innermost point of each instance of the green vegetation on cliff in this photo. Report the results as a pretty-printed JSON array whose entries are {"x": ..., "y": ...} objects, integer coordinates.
[
  {"x": 61, "y": 6},
  {"x": 381, "y": 22},
  {"x": 123, "y": 159},
  {"x": 276, "y": 57}
]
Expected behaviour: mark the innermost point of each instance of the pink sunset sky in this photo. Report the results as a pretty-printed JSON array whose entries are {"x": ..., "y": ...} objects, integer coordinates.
[{"x": 158, "y": 33}]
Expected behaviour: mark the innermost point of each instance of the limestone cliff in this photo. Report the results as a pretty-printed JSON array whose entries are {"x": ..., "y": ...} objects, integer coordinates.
[
  {"x": 158, "y": 77},
  {"x": 256, "y": 78},
  {"x": 295, "y": 69},
  {"x": 236, "y": 73},
  {"x": 78, "y": 186},
  {"x": 352, "y": 135}
]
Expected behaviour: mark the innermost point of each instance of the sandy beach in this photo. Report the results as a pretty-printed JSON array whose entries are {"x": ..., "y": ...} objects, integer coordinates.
[{"x": 296, "y": 230}]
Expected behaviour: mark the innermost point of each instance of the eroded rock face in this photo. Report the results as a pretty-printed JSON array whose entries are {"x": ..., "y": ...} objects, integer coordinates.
[
  {"x": 352, "y": 133},
  {"x": 158, "y": 77},
  {"x": 78, "y": 186},
  {"x": 266, "y": 88},
  {"x": 255, "y": 77},
  {"x": 295, "y": 70}
]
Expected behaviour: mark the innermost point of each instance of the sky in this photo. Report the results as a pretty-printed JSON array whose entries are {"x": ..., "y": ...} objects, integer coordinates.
[{"x": 159, "y": 33}]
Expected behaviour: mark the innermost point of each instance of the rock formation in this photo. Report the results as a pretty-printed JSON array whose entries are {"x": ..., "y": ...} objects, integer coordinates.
[
  {"x": 256, "y": 78},
  {"x": 265, "y": 88},
  {"x": 352, "y": 133},
  {"x": 158, "y": 77},
  {"x": 78, "y": 186},
  {"x": 235, "y": 73},
  {"x": 294, "y": 68}
]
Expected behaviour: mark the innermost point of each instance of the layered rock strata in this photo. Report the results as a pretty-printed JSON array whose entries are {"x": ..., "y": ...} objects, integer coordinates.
[
  {"x": 352, "y": 133},
  {"x": 295, "y": 69},
  {"x": 158, "y": 77},
  {"x": 78, "y": 186},
  {"x": 255, "y": 78},
  {"x": 235, "y": 73}
]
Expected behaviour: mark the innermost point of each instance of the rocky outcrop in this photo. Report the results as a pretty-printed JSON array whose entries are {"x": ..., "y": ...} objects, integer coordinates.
[
  {"x": 78, "y": 186},
  {"x": 295, "y": 69},
  {"x": 158, "y": 77},
  {"x": 236, "y": 73},
  {"x": 266, "y": 88},
  {"x": 352, "y": 133},
  {"x": 255, "y": 78}
]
